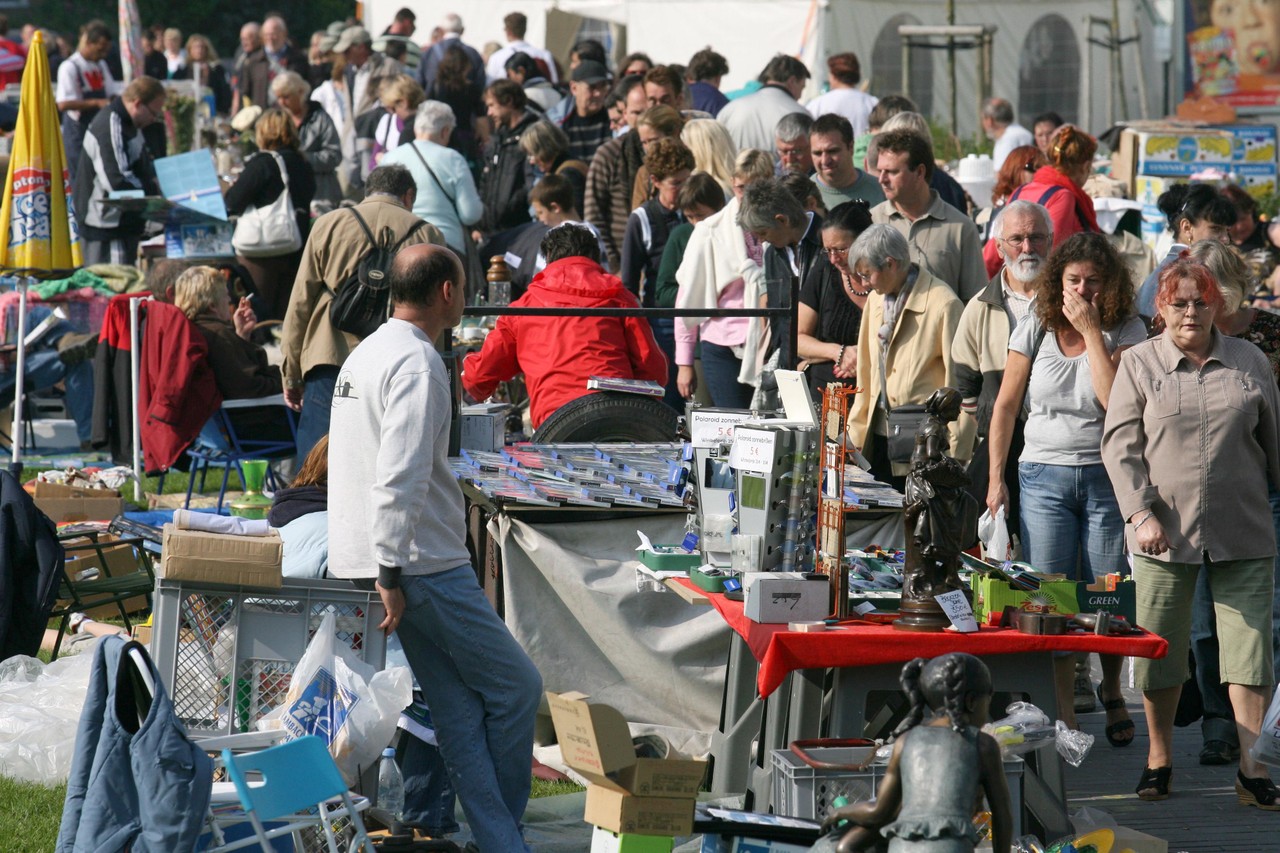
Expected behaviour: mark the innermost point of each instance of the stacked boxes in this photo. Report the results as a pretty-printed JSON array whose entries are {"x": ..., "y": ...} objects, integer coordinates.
[
  {"x": 1153, "y": 156},
  {"x": 627, "y": 795}
]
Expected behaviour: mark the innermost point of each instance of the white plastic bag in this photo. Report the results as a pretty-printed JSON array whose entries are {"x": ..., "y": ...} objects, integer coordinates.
[
  {"x": 41, "y": 713},
  {"x": 340, "y": 698},
  {"x": 994, "y": 533},
  {"x": 1266, "y": 749}
]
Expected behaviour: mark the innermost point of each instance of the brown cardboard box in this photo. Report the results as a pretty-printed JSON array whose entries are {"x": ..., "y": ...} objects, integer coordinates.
[
  {"x": 646, "y": 796},
  {"x": 65, "y": 503},
  {"x": 596, "y": 741},
  {"x": 219, "y": 558},
  {"x": 621, "y": 812},
  {"x": 120, "y": 560}
]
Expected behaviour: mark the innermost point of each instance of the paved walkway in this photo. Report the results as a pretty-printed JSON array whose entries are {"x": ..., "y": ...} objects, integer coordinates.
[{"x": 1201, "y": 814}]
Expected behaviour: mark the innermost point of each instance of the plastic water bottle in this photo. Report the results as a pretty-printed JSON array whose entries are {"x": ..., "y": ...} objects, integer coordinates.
[{"x": 390, "y": 786}]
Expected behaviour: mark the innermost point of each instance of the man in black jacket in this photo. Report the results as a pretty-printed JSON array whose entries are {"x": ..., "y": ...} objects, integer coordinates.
[
  {"x": 109, "y": 235},
  {"x": 504, "y": 183}
]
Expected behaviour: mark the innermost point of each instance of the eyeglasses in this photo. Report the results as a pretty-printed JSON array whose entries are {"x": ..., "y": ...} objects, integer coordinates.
[
  {"x": 864, "y": 277},
  {"x": 1197, "y": 307},
  {"x": 1030, "y": 167},
  {"x": 1027, "y": 239},
  {"x": 836, "y": 254}
]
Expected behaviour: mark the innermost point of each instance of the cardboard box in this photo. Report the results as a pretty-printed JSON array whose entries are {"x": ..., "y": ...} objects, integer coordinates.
[
  {"x": 626, "y": 794},
  {"x": 1252, "y": 144},
  {"x": 619, "y": 811},
  {"x": 596, "y": 742},
  {"x": 120, "y": 560},
  {"x": 221, "y": 559},
  {"x": 66, "y": 503},
  {"x": 1170, "y": 150},
  {"x": 1121, "y": 601},
  {"x": 484, "y": 427},
  {"x": 781, "y": 597},
  {"x": 993, "y": 596},
  {"x": 604, "y": 841}
]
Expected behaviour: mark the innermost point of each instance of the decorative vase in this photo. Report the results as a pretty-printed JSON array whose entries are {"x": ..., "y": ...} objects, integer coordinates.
[{"x": 253, "y": 503}]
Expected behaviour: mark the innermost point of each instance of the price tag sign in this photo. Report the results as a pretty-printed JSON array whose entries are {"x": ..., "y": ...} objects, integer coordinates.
[
  {"x": 956, "y": 605},
  {"x": 753, "y": 450},
  {"x": 710, "y": 429}
]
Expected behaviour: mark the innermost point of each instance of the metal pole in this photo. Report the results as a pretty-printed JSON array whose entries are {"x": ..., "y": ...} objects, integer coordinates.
[
  {"x": 135, "y": 361},
  {"x": 20, "y": 380},
  {"x": 1143, "y": 108},
  {"x": 1086, "y": 109},
  {"x": 951, "y": 67},
  {"x": 1116, "y": 64},
  {"x": 906, "y": 66}
]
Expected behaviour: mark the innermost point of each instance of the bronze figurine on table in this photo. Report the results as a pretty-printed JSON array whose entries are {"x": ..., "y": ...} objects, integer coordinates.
[{"x": 940, "y": 517}]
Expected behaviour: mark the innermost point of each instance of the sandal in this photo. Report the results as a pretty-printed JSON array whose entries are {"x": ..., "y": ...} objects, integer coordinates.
[
  {"x": 1259, "y": 793},
  {"x": 1113, "y": 730},
  {"x": 1154, "y": 784}
]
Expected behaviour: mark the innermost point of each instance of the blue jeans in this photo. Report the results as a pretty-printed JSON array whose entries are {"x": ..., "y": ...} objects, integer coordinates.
[
  {"x": 1070, "y": 521},
  {"x": 664, "y": 332},
  {"x": 44, "y": 369},
  {"x": 1219, "y": 720},
  {"x": 720, "y": 368},
  {"x": 317, "y": 403},
  {"x": 483, "y": 692}
]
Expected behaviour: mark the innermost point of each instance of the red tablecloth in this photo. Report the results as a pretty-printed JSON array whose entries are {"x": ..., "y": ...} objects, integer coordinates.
[{"x": 780, "y": 651}]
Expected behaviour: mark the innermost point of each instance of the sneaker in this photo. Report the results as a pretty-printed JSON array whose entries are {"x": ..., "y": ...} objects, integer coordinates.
[
  {"x": 1218, "y": 753},
  {"x": 75, "y": 347},
  {"x": 76, "y": 620}
]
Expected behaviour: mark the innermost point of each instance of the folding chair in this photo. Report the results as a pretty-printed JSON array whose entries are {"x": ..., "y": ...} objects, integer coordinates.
[
  {"x": 239, "y": 448},
  {"x": 300, "y": 786},
  {"x": 79, "y": 596}
]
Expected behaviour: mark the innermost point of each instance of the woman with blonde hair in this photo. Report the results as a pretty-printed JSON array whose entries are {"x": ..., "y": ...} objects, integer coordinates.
[
  {"x": 547, "y": 147},
  {"x": 203, "y": 67},
  {"x": 260, "y": 184},
  {"x": 713, "y": 150},
  {"x": 239, "y": 366},
  {"x": 658, "y": 122},
  {"x": 400, "y": 97}
]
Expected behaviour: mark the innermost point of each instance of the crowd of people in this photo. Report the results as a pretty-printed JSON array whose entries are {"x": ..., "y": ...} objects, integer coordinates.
[{"x": 1115, "y": 408}]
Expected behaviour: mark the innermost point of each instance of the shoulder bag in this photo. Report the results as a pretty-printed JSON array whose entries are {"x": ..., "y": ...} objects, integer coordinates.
[
  {"x": 471, "y": 263},
  {"x": 266, "y": 232}
]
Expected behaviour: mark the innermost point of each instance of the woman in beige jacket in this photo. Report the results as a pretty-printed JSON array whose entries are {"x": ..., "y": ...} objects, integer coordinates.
[{"x": 907, "y": 327}]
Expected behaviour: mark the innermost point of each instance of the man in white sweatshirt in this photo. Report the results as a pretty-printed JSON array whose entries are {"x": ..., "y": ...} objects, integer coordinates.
[{"x": 396, "y": 514}]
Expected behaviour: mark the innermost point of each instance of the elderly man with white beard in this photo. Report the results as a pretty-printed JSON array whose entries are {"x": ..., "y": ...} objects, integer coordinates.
[{"x": 1023, "y": 233}]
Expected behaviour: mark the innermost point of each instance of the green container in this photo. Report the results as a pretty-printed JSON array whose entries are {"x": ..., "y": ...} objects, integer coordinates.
[
  {"x": 670, "y": 558},
  {"x": 705, "y": 582}
]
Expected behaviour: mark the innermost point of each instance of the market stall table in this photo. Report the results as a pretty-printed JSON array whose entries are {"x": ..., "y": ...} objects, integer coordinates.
[{"x": 866, "y": 658}]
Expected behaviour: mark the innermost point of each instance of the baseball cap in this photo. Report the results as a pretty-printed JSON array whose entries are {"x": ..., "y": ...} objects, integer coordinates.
[
  {"x": 590, "y": 71},
  {"x": 352, "y": 36}
]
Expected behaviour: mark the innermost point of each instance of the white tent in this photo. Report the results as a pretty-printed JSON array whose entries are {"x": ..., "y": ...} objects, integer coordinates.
[{"x": 1042, "y": 55}]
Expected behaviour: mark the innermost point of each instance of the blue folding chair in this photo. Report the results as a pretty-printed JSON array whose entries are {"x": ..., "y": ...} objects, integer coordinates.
[
  {"x": 236, "y": 448},
  {"x": 299, "y": 786}
]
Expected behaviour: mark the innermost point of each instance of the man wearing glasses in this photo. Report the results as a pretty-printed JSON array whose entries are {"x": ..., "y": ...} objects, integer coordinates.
[
  {"x": 114, "y": 157},
  {"x": 1023, "y": 235}
]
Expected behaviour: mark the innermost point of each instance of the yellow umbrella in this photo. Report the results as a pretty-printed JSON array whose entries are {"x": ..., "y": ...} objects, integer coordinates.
[
  {"x": 40, "y": 239},
  {"x": 36, "y": 211}
]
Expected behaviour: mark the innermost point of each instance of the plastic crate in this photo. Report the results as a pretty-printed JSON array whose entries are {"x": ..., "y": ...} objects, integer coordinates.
[
  {"x": 226, "y": 654},
  {"x": 802, "y": 790}
]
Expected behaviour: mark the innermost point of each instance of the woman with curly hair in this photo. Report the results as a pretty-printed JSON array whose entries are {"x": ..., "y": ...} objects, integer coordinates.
[{"x": 1062, "y": 361}]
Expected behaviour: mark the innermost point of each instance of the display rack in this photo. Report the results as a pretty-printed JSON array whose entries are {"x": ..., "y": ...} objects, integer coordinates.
[{"x": 836, "y": 399}]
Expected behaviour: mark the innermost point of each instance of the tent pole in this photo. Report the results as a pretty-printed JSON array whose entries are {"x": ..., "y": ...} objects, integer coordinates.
[
  {"x": 1086, "y": 109},
  {"x": 19, "y": 382},
  {"x": 135, "y": 362},
  {"x": 951, "y": 68}
]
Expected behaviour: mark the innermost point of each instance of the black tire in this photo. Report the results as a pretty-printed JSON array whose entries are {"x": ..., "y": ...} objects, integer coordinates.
[{"x": 609, "y": 416}]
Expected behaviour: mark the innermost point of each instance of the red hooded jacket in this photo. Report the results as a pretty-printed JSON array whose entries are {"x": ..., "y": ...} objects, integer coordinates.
[
  {"x": 558, "y": 354},
  {"x": 1069, "y": 208}
]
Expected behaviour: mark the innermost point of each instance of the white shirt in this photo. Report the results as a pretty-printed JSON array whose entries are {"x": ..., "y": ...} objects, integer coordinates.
[
  {"x": 1015, "y": 136},
  {"x": 495, "y": 69},
  {"x": 77, "y": 77},
  {"x": 853, "y": 104}
]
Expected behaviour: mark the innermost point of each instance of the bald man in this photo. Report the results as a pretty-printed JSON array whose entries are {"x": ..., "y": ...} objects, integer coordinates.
[{"x": 397, "y": 526}]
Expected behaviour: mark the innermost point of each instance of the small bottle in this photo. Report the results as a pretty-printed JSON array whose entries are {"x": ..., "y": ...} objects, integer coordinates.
[
  {"x": 390, "y": 786},
  {"x": 499, "y": 278}
]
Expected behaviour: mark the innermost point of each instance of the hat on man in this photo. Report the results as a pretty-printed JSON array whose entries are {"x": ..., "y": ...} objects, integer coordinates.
[
  {"x": 328, "y": 43},
  {"x": 591, "y": 72},
  {"x": 335, "y": 29},
  {"x": 352, "y": 36}
]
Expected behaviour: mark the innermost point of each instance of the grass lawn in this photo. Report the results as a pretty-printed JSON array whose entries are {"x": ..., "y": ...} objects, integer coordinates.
[{"x": 30, "y": 814}]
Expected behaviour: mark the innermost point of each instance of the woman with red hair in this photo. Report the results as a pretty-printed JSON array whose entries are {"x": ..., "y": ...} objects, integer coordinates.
[{"x": 1192, "y": 436}]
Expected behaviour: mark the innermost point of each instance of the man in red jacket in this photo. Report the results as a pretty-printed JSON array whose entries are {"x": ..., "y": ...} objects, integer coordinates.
[{"x": 559, "y": 354}]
